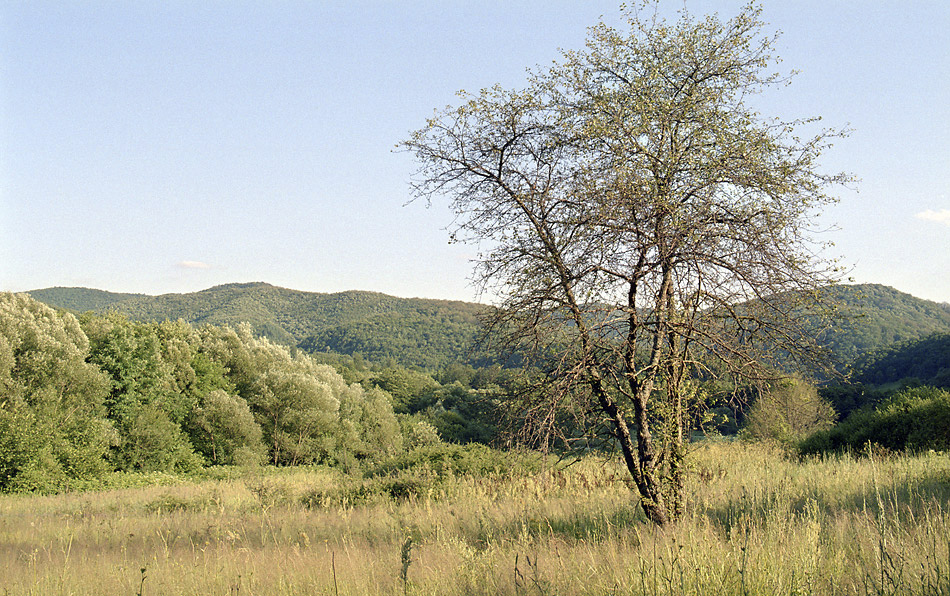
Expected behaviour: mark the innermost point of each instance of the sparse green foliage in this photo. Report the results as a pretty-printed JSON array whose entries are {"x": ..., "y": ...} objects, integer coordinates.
[{"x": 641, "y": 223}]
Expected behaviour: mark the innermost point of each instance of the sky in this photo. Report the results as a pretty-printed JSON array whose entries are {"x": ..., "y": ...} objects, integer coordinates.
[{"x": 167, "y": 147}]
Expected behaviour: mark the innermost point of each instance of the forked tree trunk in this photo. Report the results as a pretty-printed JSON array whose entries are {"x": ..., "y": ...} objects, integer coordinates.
[{"x": 637, "y": 455}]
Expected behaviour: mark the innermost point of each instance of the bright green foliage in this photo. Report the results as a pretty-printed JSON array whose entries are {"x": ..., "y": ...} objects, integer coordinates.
[
  {"x": 152, "y": 442},
  {"x": 411, "y": 391},
  {"x": 154, "y": 389},
  {"x": 52, "y": 429},
  {"x": 308, "y": 413},
  {"x": 225, "y": 431},
  {"x": 129, "y": 354},
  {"x": 80, "y": 399},
  {"x": 915, "y": 419},
  {"x": 369, "y": 428},
  {"x": 297, "y": 413}
]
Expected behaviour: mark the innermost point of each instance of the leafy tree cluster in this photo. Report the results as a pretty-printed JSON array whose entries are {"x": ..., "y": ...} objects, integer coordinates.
[
  {"x": 913, "y": 419},
  {"x": 463, "y": 403},
  {"x": 53, "y": 423},
  {"x": 83, "y": 396}
]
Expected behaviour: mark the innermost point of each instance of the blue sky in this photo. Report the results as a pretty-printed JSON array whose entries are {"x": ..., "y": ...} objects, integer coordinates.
[{"x": 162, "y": 147}]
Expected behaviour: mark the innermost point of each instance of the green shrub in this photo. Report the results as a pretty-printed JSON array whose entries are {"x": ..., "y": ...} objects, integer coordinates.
[
  {"x": 788, "y": 411},
  {"x": 915, "y": 419}
]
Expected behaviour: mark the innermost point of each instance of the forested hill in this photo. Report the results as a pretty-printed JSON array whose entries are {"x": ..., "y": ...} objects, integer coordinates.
[
  {"x": 412, "y": 331},
  {"x": 432, "y": 333},
  {"x": 81, "y": 299},
  {"x": 877, "y": 316},
  {"x": 925, "y": 361}
]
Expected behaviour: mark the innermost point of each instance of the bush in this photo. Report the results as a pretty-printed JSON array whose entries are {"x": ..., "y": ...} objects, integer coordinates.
[
  {"x": 787, "y": 412},
  {"x": 915, "y": 419}
]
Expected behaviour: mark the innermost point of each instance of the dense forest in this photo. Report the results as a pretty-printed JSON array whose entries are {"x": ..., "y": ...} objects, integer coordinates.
[
  {"x": 431, "y": 334},
  {"x": 80, "y": 396},
  {"x": 411, "y": 331},
  {"x": 252, "y": 373}
]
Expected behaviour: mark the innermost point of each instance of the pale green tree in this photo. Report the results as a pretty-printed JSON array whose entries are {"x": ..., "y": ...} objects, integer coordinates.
[
  {"x": 787, "y": 411},
  {"x": 638, "y": 220},
  {"x": 369, "y": 428},
  {"x": 225, "y": 431},
  {"x": 53, "y": 429},
  {"x": 297, "y": 412}
]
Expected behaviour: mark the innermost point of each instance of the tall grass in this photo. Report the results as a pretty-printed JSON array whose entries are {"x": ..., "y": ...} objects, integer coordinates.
[{"x": 757, "y": 523}]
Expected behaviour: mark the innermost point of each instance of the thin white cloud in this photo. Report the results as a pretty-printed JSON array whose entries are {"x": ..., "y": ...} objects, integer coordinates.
[
  {"x": 193, "y": 265},
  {"x": 942, "y": 216}
]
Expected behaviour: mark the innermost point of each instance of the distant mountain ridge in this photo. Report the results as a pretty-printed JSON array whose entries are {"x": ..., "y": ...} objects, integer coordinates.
[
  {"x": 432, "y": 333},
  {"x": 411, "y": 331},
  {"x": 81, "y": 299}
]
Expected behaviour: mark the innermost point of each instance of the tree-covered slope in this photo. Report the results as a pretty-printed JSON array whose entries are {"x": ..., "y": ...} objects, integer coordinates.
[
  {"x": 926, "y": 360},
  {"x": 81, "y": 299},
  {"x": 875, "y": 316},
  {"x": 411, "y": 331},
  {"x": 433, "y": 333}
]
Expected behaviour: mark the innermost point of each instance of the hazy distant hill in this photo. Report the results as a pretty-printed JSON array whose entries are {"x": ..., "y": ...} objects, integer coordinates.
[
  {"x": 432, "y": 333},
  {"x": 411, "y": 331},
  {"x": 81, "y": 299}
]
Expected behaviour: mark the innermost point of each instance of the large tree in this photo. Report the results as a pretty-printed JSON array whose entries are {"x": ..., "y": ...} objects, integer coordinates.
[{"x": 640, "y": 224}]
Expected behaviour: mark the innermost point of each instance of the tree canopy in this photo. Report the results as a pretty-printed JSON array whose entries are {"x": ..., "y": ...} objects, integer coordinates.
[{"x": 639, "y": 223}]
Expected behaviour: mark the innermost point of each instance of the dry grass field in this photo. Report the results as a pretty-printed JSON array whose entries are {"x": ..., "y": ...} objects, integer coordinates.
[{"x": 758, "y": 522}]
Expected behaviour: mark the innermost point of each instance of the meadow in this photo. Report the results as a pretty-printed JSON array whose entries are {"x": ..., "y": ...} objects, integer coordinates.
[{"x": 758, "y": 522}]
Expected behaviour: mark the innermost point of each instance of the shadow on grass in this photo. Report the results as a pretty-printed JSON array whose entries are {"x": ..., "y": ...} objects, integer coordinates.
[{"x": 874, "y": 499}]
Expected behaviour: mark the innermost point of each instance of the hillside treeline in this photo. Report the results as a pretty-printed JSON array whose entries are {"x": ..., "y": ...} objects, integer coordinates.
[
  {"x": 433, "y": 334},
  {"x": 82, "y": 396},
  {"x": 412, "y": 331}
]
